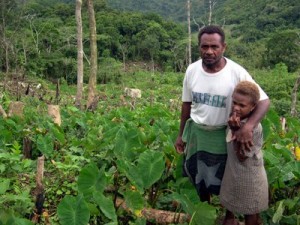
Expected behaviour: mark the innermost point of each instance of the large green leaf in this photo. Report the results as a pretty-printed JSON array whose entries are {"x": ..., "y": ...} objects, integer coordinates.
[
  {"x": 134, "y": 200},
  {"x": 151, "y": 166},
  {"x": 279, "y": 212},
  {"x": 45, "y": 144},
  {"x": 57, "y": 133},
  {"x": 205, "y": 214},
  {"x": 18, "y": 221},
  {"x": 4, "y": 185},
  {"x": 106, "y": 205},
  {"x": 127, "y": 141},
  {"x": 148, "y": 169},
  {"x": 91, "y": 180},
  {"x": 132, "y": 173},
  {"x": 73, "y": 211},
  {"x": 185, "y": 200}
]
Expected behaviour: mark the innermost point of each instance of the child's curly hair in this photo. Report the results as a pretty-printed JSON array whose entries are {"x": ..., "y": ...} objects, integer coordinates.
[{"x": 248, "y": 88}]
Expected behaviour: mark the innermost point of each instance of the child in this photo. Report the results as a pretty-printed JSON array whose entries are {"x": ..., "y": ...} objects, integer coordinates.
[{"x": 244, "y": 188}]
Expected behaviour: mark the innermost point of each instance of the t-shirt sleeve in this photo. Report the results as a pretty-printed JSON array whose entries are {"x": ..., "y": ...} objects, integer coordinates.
[{"x": 186, "y": 91}]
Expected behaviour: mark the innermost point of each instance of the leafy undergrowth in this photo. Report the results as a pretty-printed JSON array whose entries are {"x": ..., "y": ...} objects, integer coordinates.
[{"x": 123, "y": 152}]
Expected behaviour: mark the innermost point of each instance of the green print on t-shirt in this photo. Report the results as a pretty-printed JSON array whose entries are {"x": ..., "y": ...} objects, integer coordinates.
[{"x": 208, "y": 99}]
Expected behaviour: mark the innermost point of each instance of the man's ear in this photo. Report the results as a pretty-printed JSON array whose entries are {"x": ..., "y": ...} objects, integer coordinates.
[{"x": 224, "y": 47}]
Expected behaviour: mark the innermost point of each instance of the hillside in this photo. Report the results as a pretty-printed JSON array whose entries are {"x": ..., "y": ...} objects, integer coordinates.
[
  {"x": 266, "y": 16},
  {"x": 172, "y": 9},
  {"x": 257, "y": 19}
]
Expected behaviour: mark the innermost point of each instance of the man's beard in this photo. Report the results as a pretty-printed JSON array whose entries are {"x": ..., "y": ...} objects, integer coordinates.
[{"x": 211, "y": 62}]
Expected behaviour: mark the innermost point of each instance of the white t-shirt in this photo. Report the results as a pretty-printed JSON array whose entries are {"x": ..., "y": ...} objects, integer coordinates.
[{"x": 211, "y": 93}]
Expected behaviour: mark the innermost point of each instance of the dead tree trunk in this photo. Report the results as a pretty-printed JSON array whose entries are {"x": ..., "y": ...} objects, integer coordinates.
[
  {"x": 53, "y": 111},
  {"x": 79, "y": 55},
  {"x": 94, "y": 58},
  {"x": 27, "y": 148},
  {"x": 189, "y": 32},
  {"x": 39, "y": 191},
  {"x": 212, "y": 4}
]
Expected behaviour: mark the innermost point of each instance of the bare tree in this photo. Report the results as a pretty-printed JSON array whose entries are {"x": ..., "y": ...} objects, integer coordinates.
[
  {"x": 35, "y": 32},
  {"x": 212, "y": 4},
  {"x": 198, "y": 25},
  {"x": 79, "y": 54},
  {"x": 189, "y": 32},
  {"x": 93, "y": 56},
  {"x": 124, "y": 49},
  {"x": 6, "y": 8}
]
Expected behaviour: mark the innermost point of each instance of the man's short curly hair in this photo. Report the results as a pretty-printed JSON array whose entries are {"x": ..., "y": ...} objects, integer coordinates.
[
  {"x": 212, "y": 29},
  {"x": 249, "y": 89}
]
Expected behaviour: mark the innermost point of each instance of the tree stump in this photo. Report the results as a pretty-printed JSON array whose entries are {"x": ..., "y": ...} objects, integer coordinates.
[
  {"x": 15, "y": 109},
  {"x": 27, "y": 148},
  {"x": 54, "y": 112},
  {"x": 39, "y": 190}
]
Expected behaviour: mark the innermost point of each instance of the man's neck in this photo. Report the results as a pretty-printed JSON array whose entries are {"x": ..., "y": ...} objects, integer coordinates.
[{"x": 215, "y": 68}]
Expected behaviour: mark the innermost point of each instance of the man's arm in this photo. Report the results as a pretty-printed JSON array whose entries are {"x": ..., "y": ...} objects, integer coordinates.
[
  {"x": 185, "y": 115},
  {"x": 245, "y": 134}
]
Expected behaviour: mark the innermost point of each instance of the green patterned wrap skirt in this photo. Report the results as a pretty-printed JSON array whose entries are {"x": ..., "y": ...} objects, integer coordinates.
[{"x": 205, "y": 156}]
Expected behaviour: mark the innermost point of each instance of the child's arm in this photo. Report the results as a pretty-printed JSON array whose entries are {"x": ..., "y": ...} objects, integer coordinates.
[{"x": 242, "y": 154}]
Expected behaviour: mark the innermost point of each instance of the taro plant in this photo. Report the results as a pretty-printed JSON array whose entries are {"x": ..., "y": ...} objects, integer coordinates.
[
  {"x": 283, "y": 170},
  {"x": 134, "y": 164}
]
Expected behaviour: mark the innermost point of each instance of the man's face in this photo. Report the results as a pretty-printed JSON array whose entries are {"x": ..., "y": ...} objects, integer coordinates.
[{"x": 211, "y": 49}]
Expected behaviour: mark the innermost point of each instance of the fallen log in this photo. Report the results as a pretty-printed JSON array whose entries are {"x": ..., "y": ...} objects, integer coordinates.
[{"x": 159, "y": 216}]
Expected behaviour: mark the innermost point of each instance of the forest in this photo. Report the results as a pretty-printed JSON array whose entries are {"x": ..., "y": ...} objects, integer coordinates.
[{"x": 89, "y": 119}]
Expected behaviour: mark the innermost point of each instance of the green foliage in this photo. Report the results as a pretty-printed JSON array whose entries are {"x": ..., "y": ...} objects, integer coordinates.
[
  {"x": 110, "y": 70},
  {"x": 42, "y": 40},
  {"x": 91, "y": 180},
  {"x": 10, "y": 218},
  {"x": 204, "y": 213},
  {"x": 174, "y": 10},
  {"x": 278, "y": 84},
  {"x": 124, "y": 150},
  {"x": 283, "y": 47},
  {"x": 73, "y": 211},
  {"x": 152, "y": 172},
  {"x": 282, "y": 170}
]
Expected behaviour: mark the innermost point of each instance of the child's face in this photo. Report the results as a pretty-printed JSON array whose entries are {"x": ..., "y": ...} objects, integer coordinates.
[{"x": 242, "y": 105}]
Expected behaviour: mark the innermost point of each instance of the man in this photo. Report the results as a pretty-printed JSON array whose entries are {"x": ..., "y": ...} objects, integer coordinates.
[{"x": 206, "y": 97}]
